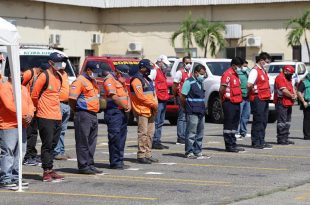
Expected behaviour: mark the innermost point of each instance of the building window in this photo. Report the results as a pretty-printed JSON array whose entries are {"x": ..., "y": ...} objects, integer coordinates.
[
  {"x": 274, "y": 57},
  {"x": 296, "y": 53},
  {"x": 75, "y": 62},
  {"x": 89, "y": 52},
  {"x": 236, "y": 51},
  {"x": 180, "y": 52}
]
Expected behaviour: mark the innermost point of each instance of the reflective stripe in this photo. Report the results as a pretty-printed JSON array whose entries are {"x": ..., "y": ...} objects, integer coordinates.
[
  {"x": 146, "y": 92},
  {"x": 74, "y": 95},
  {"x": 281, "y": 124},
  {"x": 195, "y": 99},
  {"x": 120, "y": 98},
  {"x": 92, "y": 98},
  {"x": 82, "y": 81}
]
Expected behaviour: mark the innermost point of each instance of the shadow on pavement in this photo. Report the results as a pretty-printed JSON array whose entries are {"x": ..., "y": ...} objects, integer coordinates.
[
  {"x": 215, "y": 149},
  {"x": 174, "y": 155},
  {"x": 33, "y": 177}
]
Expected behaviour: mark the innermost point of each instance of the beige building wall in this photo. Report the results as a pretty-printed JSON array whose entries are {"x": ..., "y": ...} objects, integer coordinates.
[{"x": 152, "y": 27}]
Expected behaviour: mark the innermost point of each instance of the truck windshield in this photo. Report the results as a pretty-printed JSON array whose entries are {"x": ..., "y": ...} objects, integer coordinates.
[
  {"x": 28, "y": 62},
  {"x": 218, "y": 68}
]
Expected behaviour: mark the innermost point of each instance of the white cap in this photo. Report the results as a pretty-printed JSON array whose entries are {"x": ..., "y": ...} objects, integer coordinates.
[{"x": 164, "y": 59}]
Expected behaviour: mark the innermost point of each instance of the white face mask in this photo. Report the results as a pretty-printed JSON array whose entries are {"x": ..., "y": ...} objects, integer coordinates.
[
  {"x": 58, "y": 65},
  {"x": 188, "y": 66},
  {"x": 244, "y": 69},
  {"x": 238, "y": 69},
  {"x": 94, "y": 75}
]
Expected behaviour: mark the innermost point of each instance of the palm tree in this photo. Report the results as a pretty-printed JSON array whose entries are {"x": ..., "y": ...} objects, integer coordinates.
[
  {"x": 187, "y": 30},
  {"x": 299, "y": 29},
  {"x": 209, "y": 35}
]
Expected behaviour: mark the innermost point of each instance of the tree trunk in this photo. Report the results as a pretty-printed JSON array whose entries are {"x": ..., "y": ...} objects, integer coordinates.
[
  {"x": 206, "y": 50},
  {"x": 188, "y": 51},
  {"x": 307, "y": 44}
]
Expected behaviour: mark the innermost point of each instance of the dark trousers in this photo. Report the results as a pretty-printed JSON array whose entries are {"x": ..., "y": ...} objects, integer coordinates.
[
  {"x": 231, "y": 123},
  {"x": 260, "y": 111},
  {"x": 306, "y": 123},
  {"x": 86, "y": 131},
  {"x": 284, "y": 115},
  {"x": 117, "y": 133},
  {"x": 32, "y": 136},
  {"x": 49, "y": 133}
]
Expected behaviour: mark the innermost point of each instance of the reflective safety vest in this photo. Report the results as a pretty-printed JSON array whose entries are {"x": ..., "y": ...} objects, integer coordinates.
[
  {"x": 195, "y": 99},
  {"x": 161, "y": 86},
  {"x": 278, "y": 94},
  {"x": 307, "y": 89},
  {"x": 185, "y": 76},
  {"x": 262, "y": 83},
  {"x": 233, "y": 91}
]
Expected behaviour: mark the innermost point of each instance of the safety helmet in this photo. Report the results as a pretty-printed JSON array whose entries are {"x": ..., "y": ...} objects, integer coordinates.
[{"x": 290, "y": 69}]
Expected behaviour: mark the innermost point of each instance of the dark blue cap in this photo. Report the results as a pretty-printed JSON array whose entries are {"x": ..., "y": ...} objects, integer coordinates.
[
  {"x": 122, "y": 68},
  {"x": 145, "y": 63},
  {"x": 57, "y": 57},
  {"x": 44, "y": 66},
  {"x": 94, "y": 66}
]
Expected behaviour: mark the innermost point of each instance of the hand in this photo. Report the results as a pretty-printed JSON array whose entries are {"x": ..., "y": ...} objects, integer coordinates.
[
  {"x": 154, "y": 111},
  {"x": 128, "y": 109},
  {"x": 27, "y": 120},
  {"x": 293, "y": 96},
  {"x": 305, "y": 104}
]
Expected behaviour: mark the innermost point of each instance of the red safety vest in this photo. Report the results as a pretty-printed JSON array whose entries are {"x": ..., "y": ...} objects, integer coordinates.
[
  {"x": 233, "y": 91},
  {"x": 286, "y": 101},
  {"x": 161, "y": 86},
  {"x": 262, "y": 83},
  {"x": 185, "y": 75}
]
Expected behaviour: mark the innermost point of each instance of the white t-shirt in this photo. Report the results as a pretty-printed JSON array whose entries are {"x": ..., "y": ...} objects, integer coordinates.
[
  {"x": 153, "y": 74},
  {"x": 252, "y": 76},
  {"x": 178, "y": 76}
]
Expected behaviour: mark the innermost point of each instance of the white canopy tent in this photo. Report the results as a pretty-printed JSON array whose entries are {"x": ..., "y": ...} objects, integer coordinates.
[{"x": 9, "y": 37}]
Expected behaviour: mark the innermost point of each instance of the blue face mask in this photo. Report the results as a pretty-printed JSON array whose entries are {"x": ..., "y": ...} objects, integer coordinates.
[{"x": 200, "y": 78}]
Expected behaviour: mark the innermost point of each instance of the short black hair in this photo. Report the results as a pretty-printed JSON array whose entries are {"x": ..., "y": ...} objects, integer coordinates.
[
  {"x": 237, "y": 61},
  {"x": 198, "y": 68},
  {"x": 263, "y": 56},
  {"x": 185, "y": 57}
]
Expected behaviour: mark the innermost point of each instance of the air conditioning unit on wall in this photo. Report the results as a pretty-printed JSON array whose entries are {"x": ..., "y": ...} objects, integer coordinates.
[
  {"x": 55, "y": 39},
  {"x": 96, "y": 39},
  {"x": 134, "y": 46},
  {"x": 253, "y": 41}
]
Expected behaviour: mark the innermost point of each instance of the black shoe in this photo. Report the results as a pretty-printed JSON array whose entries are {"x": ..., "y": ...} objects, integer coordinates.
[
  {"x": 235, "y": 150},
  {"x": 306, "y": 138},
  {"x": 290, "y": 142},
  {"x": 257, "y": 146},
  {"x": 240, "y": 149},
  {"x": 144, "y": 161},
  {"x": 97, "y": 171},
  {"x": 267, "y": 146},
  {"x": 120, "y": 167},
  {"x": 180, "y": 141},
  {"x": 151, "y": 159},
  {"x": 87, "y": 171},
  {"x": 159, "y": 146},
  {"x": 282, "y": 143}
]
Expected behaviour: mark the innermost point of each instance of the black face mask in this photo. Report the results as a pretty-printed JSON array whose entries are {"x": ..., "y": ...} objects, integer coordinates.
[{"x": 288, "y": 76}]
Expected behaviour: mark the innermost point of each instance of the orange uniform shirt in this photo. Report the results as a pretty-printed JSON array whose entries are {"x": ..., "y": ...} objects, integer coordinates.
[
  {"x": 86, "y": 92},
  {"x": 142, "y": 102},
  {"x": 48, "y": 105},
  {"x": 8, "y": 119},
  {"x": 113, "y": 86},
  {"x": 64, "y": 90},
  {"x": 28, "y": 79}
]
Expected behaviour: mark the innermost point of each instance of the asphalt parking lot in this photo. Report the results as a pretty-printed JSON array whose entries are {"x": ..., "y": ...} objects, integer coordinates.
[{"x": 277, "y": 176}]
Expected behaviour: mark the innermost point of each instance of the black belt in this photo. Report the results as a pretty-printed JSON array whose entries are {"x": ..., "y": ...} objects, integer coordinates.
[
  {"x": 90, "y": 112},
  {"x": 63, "y": 102}
]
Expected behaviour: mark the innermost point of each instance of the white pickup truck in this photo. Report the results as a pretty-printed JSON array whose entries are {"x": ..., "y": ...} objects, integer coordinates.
[{"x": 215, "y": 69}]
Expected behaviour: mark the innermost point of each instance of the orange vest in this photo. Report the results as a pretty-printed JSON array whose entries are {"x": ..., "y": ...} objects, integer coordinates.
[
  {"x": 262, "y": 83},
  {"x": 64, "y": 90}
]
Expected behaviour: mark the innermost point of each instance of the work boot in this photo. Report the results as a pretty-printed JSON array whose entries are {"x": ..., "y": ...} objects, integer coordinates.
[
  {"x": 159, "y": 146},
  {"x": 144, "y": 161},
  {"x": 151, "y": 159}
]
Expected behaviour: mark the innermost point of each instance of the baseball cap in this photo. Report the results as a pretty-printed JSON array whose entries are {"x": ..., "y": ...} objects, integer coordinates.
[
  {"x": 290, "y": 69},
  {"x": 94, "y": 66},
  {"x": 164, "y": 59},
  {"x": 57, "y": 57},
  {"x": 145, "y": 63}
]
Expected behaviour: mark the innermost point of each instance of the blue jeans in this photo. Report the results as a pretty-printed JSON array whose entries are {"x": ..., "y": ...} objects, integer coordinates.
[
  {"x": 245, "y": 111},
  {"x": 181, "y": 123},
  {"x": 65, "y": 112},
  {"x": 194, "y": 133},
  {"x": 9, "y": 156},
  {"x": 159, "y": 122}
]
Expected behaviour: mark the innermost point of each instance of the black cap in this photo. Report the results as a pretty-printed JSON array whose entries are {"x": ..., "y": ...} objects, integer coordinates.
[
  {"x": 57, "y": 57},
  {"x": 145, "y": 63}
]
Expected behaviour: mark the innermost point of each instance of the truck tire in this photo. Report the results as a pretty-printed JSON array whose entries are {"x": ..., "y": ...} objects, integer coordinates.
[
  {"x": 215, "y": 110},
  {"x": 272, "y": 116}
]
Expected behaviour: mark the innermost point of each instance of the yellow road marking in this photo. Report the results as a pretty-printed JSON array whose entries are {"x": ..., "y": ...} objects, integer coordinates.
[
  {"x": 83, "y": 195},
  {"x": 303, "y": 197}
]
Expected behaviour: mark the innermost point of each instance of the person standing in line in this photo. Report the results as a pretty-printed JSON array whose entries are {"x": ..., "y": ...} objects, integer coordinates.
[
  {"x": 284, "y": 99},
  {"x": 9, "y": 156},
  {"x": 59, "y": 151},
  {"x": 118, "y": 105},
  {"x": 29, "y": 79},
  {"x": 303, "y": 93},
  {"x": 158, "y": 75},
  {"x": 144, "y": 104},
  {"x": 231, "y": 96},
  {"x": 245, "y": 106},
  {"x": 259, "y": 95},
  {"x": 181, "y": 75},
  {"x": 45, "y": 97},
  {"x": 192, "y": 99},
  {"x": 84, "y": 101}
]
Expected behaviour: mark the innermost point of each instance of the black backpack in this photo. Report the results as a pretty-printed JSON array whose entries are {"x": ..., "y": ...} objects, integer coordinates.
[{"x": 47, "y": 81}]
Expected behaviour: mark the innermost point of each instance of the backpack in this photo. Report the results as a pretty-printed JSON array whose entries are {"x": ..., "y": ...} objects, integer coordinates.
[{"x": 47, "y": 81}]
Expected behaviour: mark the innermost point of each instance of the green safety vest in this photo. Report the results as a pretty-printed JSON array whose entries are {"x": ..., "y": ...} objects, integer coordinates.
[
  {"x": 307, "y": 90},
  {"x": 243, "y": 75}
]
